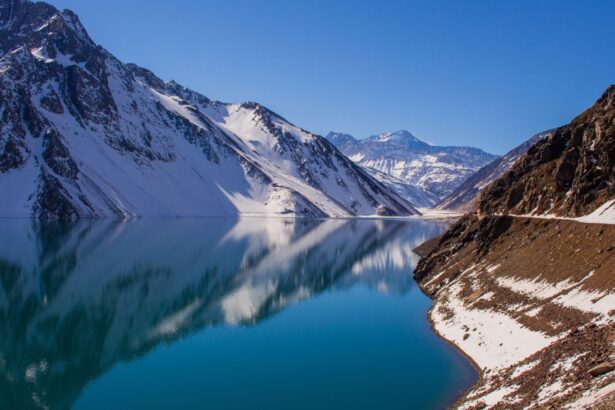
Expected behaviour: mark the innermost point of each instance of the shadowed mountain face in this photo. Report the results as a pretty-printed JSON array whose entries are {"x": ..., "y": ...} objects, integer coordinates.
[{"x": 77, "y": 298}]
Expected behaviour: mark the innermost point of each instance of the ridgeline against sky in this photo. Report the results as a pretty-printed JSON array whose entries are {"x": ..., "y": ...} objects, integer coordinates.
[{"x": 476, "y": 73}]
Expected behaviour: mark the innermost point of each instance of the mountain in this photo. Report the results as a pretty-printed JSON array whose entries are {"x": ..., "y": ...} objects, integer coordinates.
[
  {"x": 415, "y": 195},
  {"x": 571, "y": 173},
  {"x": 435, "y": 170},
  {"x": 465, "y": 196},
  {"x": 84, "y": 134},
  {"x": 524, "y": 285}
]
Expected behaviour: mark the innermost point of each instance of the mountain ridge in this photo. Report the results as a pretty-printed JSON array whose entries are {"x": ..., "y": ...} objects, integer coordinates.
[
  {"x": 85, "y": 135},
  {"x": 570, "y": 173},
  {"x": 435, "y": 170}
]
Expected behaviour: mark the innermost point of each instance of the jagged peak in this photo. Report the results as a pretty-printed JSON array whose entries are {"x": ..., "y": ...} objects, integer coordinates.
[
  {"x": 147, "y": 76},
  {"x": 40, "y": 25},
  {"x": 165, "y": 87}
]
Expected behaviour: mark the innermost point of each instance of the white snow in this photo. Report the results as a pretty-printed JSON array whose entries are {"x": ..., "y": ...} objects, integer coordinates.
[
  {"x": 436, "y": 171},
  {"x": 492, "y": 398},
  {"x": 38, "y": 53},
  {"x": 590, "y": 397},
  {"x": 431, "y": 213},
  {"x": 535, "y": 288},
  {"x": 566, "y": 293},
  {"x": 605, "y": 214},
  {"x": 594, "y": 302},
  {"x": 498, "y": 341},
  {"x": 549, "y": 391}
]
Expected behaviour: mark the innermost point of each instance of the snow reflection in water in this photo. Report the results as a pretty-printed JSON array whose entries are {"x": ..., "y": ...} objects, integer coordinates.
[{"x": 78, "y": 298}]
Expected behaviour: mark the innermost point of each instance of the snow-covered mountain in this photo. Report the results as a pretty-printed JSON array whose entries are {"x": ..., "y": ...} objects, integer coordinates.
[
  {"x": 464, "y": 197},
  {"x": 415, "y": 195},
  {"x": 83, "y": 134},
  {"x": 436, "y": 171}
]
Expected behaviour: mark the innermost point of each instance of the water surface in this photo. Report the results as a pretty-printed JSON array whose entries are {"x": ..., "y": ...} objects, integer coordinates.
[{"x": 219, "y": 314}]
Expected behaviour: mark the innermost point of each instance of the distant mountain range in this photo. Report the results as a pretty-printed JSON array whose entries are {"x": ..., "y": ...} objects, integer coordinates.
[
  {"x": 83, "y": 134},
  {"x": 422, "y": 173},
  {"x": 464, "y": 198}
]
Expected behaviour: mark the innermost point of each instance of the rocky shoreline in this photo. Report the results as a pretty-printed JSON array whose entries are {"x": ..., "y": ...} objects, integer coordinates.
[{"x": 531, "y": 303}]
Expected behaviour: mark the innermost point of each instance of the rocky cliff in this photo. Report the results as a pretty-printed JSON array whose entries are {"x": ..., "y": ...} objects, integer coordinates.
[{"x": 570, "y": 173}]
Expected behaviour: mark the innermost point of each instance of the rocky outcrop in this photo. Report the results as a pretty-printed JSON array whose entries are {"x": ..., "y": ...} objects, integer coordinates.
[{"x": 570, "y": 173}]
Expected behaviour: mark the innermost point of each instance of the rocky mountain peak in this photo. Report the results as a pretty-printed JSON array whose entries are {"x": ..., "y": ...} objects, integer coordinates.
[
  {"x": 44, "y": 30},
  {"x": 11, "y": 10},
  {"x": 464, "y": 198}
]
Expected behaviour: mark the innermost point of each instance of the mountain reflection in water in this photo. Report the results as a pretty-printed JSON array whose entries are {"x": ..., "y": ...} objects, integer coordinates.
[{"x": 78, "y": 298}]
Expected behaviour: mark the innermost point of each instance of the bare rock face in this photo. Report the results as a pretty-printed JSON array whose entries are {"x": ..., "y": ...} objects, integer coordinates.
[{"x": 570, "y": 173}]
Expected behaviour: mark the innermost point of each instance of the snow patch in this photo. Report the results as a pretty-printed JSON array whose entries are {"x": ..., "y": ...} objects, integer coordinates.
[{"x": 498, "y": 341}]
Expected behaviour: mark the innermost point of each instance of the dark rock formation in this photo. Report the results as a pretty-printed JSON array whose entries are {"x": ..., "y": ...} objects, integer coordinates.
[{"x": 570, "y": 173}]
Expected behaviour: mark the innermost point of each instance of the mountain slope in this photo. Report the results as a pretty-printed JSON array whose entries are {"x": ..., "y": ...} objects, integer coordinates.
[
  {"x": 435, "y": 170},
  {"x": 83, "y": 134},
  {"x": 415, "y": 195},
  {"x": 531, "y": 299},
  {"x": 570, "y": 173},
  {"x": 465, "y": 196}
]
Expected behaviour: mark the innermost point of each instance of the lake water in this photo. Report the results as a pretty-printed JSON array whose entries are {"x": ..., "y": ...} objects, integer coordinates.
[{"x": 220, "y": 314}]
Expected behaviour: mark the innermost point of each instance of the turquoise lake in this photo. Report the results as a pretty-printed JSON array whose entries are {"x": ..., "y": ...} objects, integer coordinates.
[{"x": 220, "y": 314}]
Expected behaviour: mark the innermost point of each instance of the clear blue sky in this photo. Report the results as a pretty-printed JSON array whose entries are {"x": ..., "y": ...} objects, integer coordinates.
[{"x": 482, "y": 73}]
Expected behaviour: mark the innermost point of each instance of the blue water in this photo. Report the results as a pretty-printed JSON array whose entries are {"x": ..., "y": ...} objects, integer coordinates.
[{"x": 220, "y": 314}]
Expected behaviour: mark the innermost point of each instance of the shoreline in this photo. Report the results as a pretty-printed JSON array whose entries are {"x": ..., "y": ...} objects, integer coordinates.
[
  {"x": 458, "y": 349},
  {"x": 533, "y": 326}
]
